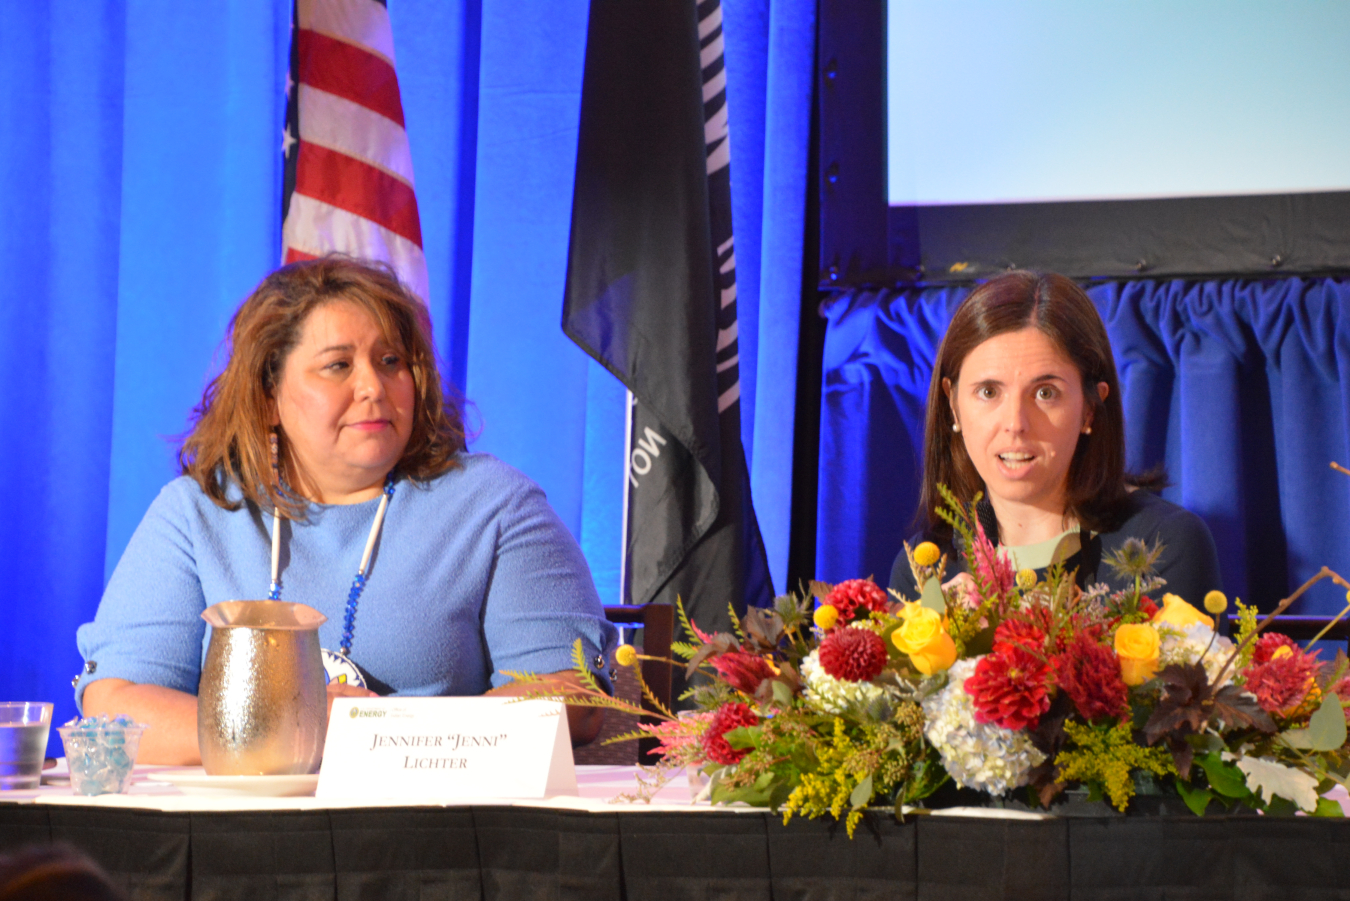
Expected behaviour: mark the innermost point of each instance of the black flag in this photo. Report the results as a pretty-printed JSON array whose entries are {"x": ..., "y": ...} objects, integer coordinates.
[{"x": 651, "y": 294}]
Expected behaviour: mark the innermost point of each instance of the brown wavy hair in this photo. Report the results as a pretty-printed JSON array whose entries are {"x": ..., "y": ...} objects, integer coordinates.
[
  {"x": 1058, "y": 308},
  {"x": 228, "y": 441}
]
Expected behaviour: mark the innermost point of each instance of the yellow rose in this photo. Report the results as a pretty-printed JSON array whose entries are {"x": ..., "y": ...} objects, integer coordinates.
[
  {"x": 1137, "y": 648},
  {"x": 923, "y": 637},
  {"x": 826, "y": 616},
  {"x": 1176, "y": 612},
  {"x": 927, "y": 554}
]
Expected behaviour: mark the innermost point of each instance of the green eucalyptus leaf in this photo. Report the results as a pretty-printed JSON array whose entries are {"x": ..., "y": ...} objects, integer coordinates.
[
  {"x": 1328, "y": 808},
  {"x": 1326, "y": 730},
  {"x": 932, "y": 596},
  {"x": 862, "y": 793},
  {"x": 1224, "y": 778},
  {"x": 743, "y": 737},
  {"x": 1281, "y": 807},
  {"x": 1197, "y": 799}
]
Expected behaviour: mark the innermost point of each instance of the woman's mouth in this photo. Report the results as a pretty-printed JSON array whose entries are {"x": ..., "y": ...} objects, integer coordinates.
[
  {"x": 370, "y": 425},
  {"x": 1015, "y": 463}
]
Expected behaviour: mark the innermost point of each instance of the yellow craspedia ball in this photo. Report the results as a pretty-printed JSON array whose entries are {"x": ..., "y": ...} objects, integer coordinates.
[
  {"x": 927, "y": 554},
  {"x": 826, "y": 616},
  {"x": 1026, "y": 578},
  {"x": 626, "y": 655},
  {"x": 1216, "y": 602}
]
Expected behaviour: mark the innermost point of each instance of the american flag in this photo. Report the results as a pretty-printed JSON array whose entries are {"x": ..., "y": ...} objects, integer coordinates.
[{"x": 349, "y": 174}]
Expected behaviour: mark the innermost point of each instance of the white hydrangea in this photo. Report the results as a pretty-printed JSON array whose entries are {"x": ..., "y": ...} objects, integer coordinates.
[
  {"x": 1186, "y": 645},
  {"x": 981, "y": 756},
  {"x": 830, "y": 695}
]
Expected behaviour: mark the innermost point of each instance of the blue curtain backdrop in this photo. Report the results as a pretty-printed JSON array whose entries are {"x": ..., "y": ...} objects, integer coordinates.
[
  {"x": 140, "y": 171},
  {"x": 1240, "y": 388}
]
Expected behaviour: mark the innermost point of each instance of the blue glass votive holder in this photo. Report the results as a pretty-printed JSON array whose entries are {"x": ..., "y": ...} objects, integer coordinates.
[{"x": 101, "y": 753}]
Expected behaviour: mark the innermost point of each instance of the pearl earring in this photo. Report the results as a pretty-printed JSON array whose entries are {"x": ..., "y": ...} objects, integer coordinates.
[
  {"x": 1087, "y": 430},
  {"x": 956, "y": 426}
]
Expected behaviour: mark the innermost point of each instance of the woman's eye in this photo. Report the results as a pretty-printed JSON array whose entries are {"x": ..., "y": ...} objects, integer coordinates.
[
  {"x": 1045, "y": 392},
  {"x": 984, "y": 392},
  {"x": 391, "y": 360},
  {"x": 337, "y": 366}
]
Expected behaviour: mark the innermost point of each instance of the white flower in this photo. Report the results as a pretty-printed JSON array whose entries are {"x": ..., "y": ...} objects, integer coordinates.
[
  {"x": 830, "y": 695},
  {"x": 982, "y": 756},
  {"x": 1186, "y": 645}
]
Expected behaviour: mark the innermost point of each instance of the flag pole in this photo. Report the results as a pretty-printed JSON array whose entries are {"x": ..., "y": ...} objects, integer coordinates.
[{"x": 624, "y": 597}]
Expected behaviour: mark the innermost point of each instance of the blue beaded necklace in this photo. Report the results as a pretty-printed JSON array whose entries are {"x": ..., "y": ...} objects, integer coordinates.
[{"x": 358, "y": 583}]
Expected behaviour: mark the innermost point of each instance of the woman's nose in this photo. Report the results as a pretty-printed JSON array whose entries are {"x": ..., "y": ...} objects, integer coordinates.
[
  {"x": 369, "y": 384},
  {"x": 1015, "y": 416}
]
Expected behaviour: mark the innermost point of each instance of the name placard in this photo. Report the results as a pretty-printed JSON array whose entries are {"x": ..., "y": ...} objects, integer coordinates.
[{"x": 446, "y": 749}]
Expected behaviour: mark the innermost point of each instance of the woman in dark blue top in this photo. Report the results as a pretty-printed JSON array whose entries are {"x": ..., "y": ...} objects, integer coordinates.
[{"x": 1024, "y": 408}]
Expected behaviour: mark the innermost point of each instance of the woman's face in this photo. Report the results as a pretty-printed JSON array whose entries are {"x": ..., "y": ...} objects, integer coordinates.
[
  {"x": 345, "y": 405},
  {"x": 1019, "y": 403}
]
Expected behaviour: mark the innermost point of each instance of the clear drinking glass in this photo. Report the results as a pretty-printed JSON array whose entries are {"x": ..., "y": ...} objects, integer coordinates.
[{"x": 24, "y": 727}]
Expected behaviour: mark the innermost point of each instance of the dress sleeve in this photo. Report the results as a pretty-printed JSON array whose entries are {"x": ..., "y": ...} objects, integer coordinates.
[
  {"x": 540, "y": 597},
  {"x": 148, "y": 628}
]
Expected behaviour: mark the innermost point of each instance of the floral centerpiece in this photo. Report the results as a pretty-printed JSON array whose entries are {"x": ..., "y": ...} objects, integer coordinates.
[{"x": 1016, "y": 686}]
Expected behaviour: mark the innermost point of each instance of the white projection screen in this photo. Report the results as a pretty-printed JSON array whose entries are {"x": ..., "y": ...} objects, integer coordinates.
[
  {"x": 1066, "y": 100},
  {"x": 1101, "y": 138}
]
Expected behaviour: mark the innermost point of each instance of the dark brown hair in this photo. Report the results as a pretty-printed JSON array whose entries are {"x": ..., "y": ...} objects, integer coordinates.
[
  {"x": 1058, "y": 308},
  {"x": 228, "y": 442}
]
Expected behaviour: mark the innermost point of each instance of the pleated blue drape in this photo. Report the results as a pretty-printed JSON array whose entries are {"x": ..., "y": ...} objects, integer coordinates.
[
  {"x": 1238, "y": 387},
  {"x": 140, "y": 174}
]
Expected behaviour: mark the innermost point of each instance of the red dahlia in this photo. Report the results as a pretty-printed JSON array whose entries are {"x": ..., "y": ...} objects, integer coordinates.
[
  {"x": 1089, "y": 673},
  {"x": 855, "y": 599},
  {"x": 853, "y": 655},
  {"x": 1019, "y": 632},
  {"x": 727, "y": 717},
  {"x": 1010, "y": 688}
]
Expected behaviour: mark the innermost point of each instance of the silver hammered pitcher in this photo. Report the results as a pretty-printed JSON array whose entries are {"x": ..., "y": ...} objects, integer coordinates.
[{"x": 262, "y": 706}]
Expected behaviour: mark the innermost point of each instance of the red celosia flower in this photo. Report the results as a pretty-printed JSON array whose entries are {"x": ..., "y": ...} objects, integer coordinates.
[
  {"x": 1010, "y": 688},
  {"x": 853, "y": 655},
  {"x": 1269, "y": 643},
  {"x": 856, "y": 598},
  {"x": 994, "y": 569},
  {"x": 1282, "y": 683},
  {"x": 1089, "y": 674},
  {"x": 680, "y": 739},
  {"x": 743, "y": 672},
  {"x": 1019, "y": 632},
  {"x": 727, "y": 717},
  {"x": 1147, "y": 607}
]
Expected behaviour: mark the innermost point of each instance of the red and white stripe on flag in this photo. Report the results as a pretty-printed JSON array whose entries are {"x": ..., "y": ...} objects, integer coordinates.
[{"x": 349, "y": 171}]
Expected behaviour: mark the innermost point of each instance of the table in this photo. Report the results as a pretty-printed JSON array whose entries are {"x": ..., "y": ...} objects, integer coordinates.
[{"x": 161, "y": 844}]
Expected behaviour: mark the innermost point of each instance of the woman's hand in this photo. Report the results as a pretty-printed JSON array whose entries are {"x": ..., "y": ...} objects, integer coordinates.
[{"x": 343, "y": 690}]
